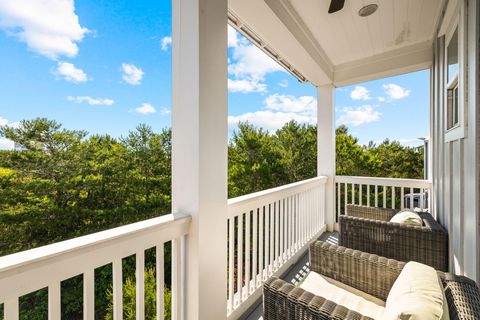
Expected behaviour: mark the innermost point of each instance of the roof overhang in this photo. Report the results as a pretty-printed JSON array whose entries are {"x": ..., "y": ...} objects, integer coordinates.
[{"x": 282, "y": 29}]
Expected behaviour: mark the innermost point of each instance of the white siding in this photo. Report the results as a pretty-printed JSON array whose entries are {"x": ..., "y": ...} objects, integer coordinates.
[{"x": 456, "y": 173}]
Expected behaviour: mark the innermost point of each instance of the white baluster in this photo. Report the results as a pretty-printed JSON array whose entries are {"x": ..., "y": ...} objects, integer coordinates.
[
  {"x": 88, "y": 294},
  {"x": 255, "y": 251},
  {"x": 54, "y": 302},
  {"x": 11, "y": 309},
  {"x": 240, "y": 258},
  {"x": 140, "y": 285},
  {"x": 117, "y": 289},
  {"x": 261, "y": 255},
  {"x": 393, "y": 197},
  {"x": 159, "y": 266},
  {"x": 368, "y": 195},
  {"x": 247, "y": 253}
]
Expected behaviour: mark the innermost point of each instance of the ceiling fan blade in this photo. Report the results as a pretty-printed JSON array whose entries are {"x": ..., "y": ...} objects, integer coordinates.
[{"x": 336, "y": 5}]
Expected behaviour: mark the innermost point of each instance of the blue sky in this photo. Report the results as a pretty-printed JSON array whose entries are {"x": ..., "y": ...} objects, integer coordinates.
[{"x": 105, "y": 67}]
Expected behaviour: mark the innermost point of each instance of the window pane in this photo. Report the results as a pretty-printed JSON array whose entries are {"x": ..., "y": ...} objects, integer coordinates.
[
  {"x": 452, "y": 56},
  {"x": 452, "y": 107},
  {"x": 455, "y": 106}
]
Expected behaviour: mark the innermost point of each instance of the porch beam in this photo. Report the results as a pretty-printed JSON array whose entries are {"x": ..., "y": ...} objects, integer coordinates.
[
  {"x": 387, "y": 64},
  {"x": 199, "y": 150},
  {"x": 326, "y": 147}
]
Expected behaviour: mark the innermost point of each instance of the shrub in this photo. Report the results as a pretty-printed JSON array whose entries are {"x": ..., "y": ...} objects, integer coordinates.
[{"x": 129, "y": 291}]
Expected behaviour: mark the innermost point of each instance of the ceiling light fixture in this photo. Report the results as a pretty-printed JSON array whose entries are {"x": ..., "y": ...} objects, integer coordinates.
[{"x": 368, "y": 10}]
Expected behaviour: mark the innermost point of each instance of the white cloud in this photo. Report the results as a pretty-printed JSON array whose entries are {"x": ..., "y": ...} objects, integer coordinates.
[
  {"x": 280, "y": 109},
  {"x": 358, "y": 115},
  {"x": 232, "y": 40},
  {"x": 48, "y": 27},
  {"x": 166, "y": 42},
  {"x": 360, "y": 93},
  {"x": 7, "y": 144},
  {"x": 407, "y": 142},
  {"x": 145, "y": 108},
  {"x": 132, "y": 74},
  {"x": 283, "y": 83},
  {"x": 412, "y": 142},
  {"x": 381, "y": 99},
  {"x": 268, "y": 120},
  {"x": 91, "y": 101},
  {"x": 70, "y": 73},
  {"x": 249, "y": 63},
  {"x": 3, "y": 122},
  {"x": 246, "y": 86},
  {"x": 164, "y": 111},
  {"x": 305, "y": 105},
  {"x": 394, "y": 91}
]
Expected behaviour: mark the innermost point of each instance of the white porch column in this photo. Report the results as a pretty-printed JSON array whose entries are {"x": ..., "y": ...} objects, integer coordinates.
[
  {"x": 199, "y": 150},
  {"x": 326, "y": 147}
]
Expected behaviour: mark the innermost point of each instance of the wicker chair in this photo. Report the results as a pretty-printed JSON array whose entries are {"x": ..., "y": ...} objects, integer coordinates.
[
  {"x": 366, "y": 272},
  {"x": 368, "y": 229}
]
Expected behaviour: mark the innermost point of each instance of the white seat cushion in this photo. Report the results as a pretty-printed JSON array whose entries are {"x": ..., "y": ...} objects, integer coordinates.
[
  {"x": 416, "y": 294},
  {"x": 407, "y": 217},
  {"x": 343, "y": 295}
]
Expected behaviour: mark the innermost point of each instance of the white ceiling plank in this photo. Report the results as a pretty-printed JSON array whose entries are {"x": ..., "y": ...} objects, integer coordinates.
[
  {"x": 415, "y": 8},
  {"x": 341, "y": 47},
  {"x": 359, "y": 27},
  {"x": 375, "y": 30},
  {"x": 387, "y": 22},
  {"x": 403, "y": 30},
  {"x": 350, "y": 32},
  {"x": 322, "y": 26},
  {"x": 433, "y": 14}
]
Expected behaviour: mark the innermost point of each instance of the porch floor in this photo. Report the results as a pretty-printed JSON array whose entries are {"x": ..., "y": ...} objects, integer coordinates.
[{"x": 293, "y": 275}]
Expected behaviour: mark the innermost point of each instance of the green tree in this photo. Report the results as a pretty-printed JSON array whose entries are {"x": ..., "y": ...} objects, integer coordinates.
[
  {"x": 396, "y": 161},
  {"x": 254, "y": 161},
  {"x": 351, "y": 158},
  {"x": 150, "y": 162},
  {"x": 297, "y": 144},
  {"x": 103, "y": 175},
  {"x": 51, "y": 157}
]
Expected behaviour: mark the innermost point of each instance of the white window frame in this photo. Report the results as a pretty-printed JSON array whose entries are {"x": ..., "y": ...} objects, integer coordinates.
[{"x": 459, "y": 131}]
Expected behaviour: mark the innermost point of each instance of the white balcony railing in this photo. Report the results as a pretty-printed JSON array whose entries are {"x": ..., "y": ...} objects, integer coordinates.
[
  {"x": 382, "y": 192},
  {"x": 267, "y": 231},
  {"x": 48, "y": 266}
]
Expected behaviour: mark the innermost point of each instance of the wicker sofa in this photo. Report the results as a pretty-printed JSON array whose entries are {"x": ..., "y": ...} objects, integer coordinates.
[
  {"x": 369, "y": 273},
  {"x": 368, "y": 229}
]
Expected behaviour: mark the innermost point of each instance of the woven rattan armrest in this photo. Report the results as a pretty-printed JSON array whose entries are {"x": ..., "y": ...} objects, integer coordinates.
[
  {"x": 463, "y": 297},
  {"x": 282, "y": 301},
  {"x": 369, "y": 273}
]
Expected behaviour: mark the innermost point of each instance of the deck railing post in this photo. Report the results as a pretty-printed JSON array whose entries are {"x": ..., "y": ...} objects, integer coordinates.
[
  {"x": 326, "y": 147},
  {"x": 199, "y": 150}
]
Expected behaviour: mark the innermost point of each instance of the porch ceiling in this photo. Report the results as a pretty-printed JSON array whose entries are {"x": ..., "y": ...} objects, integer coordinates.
[{"x": 344, "y": 48}]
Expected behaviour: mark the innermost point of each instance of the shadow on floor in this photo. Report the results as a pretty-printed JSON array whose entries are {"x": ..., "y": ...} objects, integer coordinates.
[{"x": 294, "y": 275}]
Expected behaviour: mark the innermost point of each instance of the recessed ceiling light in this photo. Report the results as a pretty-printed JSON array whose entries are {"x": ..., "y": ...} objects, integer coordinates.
[{"x": 368, "y": 10}]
